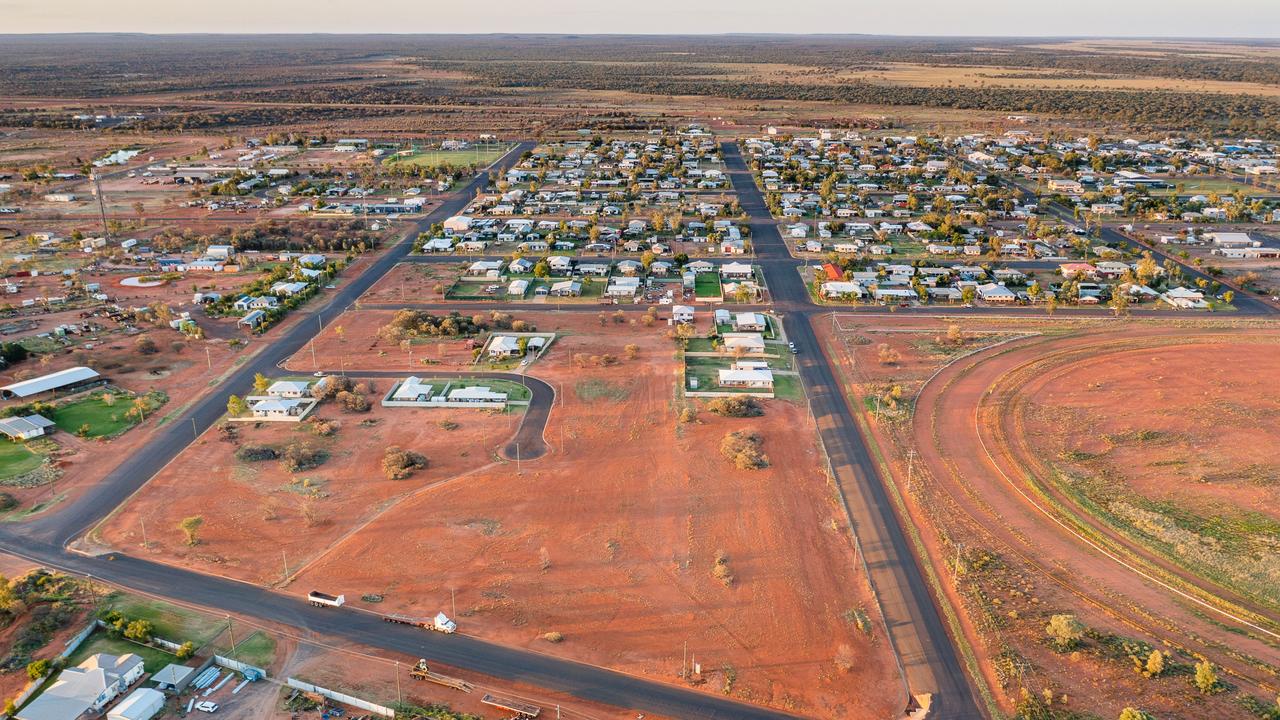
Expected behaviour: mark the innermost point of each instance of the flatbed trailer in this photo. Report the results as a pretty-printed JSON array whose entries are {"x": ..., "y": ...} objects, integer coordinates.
[
  {"x": 521, "y": 709},
  {"x": 422, "y": 672}
]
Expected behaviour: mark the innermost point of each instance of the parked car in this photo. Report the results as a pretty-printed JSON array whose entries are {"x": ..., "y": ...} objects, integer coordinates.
[{"x": 207, "y": 706}]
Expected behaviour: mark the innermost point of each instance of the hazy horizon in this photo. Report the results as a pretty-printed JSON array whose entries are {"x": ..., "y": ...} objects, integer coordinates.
[{"x": 1136, "y": 19}]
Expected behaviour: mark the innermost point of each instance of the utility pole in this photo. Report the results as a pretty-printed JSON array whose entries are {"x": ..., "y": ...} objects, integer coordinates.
[
  {"x": 453, "y": 597},
  {"x": 208, "y": 356},
  {"x": 911, "y": 465},
  {"x": 398, "y": 696},
  {"x": 143, "y": 523},
  {"x": 102, "y": 207},
  {"x": 284, "y": 560},
  {"x": 195, "y": 433},
  {"x": 232, "y": 631},
  {"x": 314, "y": 366},
  {"x": 518, "y": 471}
]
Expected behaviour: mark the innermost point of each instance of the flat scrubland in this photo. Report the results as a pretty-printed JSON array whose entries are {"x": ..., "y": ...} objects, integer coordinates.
[{"x": 1026, "y": 445}]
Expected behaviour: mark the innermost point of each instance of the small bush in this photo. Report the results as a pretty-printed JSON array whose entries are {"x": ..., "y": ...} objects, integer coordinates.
[
  {"x": 1064, "y": 631},
  {"x": 399, "y": 464},
  {"x": 7, "y": 501},
  {"x": 743, "y": 450},
  {"x": 145, "y": 346},
  {"x": 301, "y": 456},
  {"x": 323, "y": 428},
  {"x": 720, "y": 570},
  {"x": 256, "y": 453},
  {"x": 739, "y": 406},
  {"x": 553, "y": 637},
  {"x": 353, "y": 401}
]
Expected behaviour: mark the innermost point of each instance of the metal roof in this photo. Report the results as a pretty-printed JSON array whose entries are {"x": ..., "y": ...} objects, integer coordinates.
[{"x": 52, "y": 381}]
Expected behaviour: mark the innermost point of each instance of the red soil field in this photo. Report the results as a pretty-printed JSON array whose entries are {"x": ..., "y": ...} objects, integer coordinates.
[{"x": 611, "y": 539}]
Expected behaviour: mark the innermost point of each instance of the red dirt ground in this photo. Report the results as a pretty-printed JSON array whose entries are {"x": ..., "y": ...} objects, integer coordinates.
[
  {"x": 611, "y": 540},
  {"x": 253, "y": 511}
]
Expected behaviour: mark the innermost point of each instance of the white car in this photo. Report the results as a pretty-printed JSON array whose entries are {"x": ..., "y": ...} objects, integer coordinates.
[{"x": 206, "y": 706}]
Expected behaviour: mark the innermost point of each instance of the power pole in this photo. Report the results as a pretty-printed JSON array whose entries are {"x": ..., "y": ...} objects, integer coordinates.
[
  {"x": 143, "y": 523},
  {"x": 911, "y": 464},
  {"x": 195, "y": 433},
  {"x": 399, "y": 699},
  {"x": 232, "y": 631},
  {"x": 284, "y": 560},
  {"x": 102, "y": 207},
  {"x": 453, "y": 597}
]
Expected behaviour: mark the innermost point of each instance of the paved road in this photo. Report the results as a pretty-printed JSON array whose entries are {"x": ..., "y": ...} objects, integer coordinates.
[
  {"x": 916, "y": 628},
  {"x": 529, "y": 442}
]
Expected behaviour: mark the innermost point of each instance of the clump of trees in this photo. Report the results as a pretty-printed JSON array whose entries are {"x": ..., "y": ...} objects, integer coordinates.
[
  {"x": 736, "y": 406},
  {"x": 299, "y": 456},
  {"x": 398, "y": 464},
  {"x": 1065, "y": 631},
  {"x": 742, "y": 448},
  {"x": 256, "y": 453},
  {"x": 409, "y": 324}
]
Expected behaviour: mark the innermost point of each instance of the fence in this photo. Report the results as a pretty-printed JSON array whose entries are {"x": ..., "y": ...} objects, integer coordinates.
[
  {"x": 245, "y": 668},
  {"x": 78, "y": 639},
  {"x": 341, "y": 697}
]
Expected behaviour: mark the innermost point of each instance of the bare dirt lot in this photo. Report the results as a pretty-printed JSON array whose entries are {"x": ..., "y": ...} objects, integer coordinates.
[
  {"x": 612, "y": 540},
  {"x": 258, "y": 515}
]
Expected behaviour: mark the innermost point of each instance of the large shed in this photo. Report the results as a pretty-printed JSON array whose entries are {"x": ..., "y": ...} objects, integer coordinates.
[{"x": 61, "y": 380}]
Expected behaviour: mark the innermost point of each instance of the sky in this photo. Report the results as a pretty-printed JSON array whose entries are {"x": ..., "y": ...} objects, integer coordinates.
[{"x": 1111, "y": 18}]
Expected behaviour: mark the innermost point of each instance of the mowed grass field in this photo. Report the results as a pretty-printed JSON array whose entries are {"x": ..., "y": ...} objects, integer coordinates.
[
  {"x": 481, "y": 156},
  {"x": 16, "y": 459}
]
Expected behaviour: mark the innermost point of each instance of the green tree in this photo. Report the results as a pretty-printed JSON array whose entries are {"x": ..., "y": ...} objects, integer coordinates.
[
  {"x": 1228, "y": 296},
  {"x": 37, "y": 669},
  {"x": 1155, "y": 664},
  {"x": 1206, "y": 677},
  {"x": 186, "y": 650},
  {"x": 236, "y": 407},
  {"x": 1064, "y": 631},
  {"x": 261, "y": 383},
  {"x": 139, "y": 630},
  {"x": 191, "y": 527},
  {"x": 1134, "y": 714}
]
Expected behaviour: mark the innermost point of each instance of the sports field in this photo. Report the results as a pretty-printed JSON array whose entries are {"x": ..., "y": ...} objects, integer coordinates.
[{"x": 479, "y": 155}]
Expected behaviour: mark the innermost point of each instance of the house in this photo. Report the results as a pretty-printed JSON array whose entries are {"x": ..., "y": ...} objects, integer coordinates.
[
  {"x": 518, "y": 288},
  {"x": 1185, "y": 298},
  {"x": 412, "y": 389},
  {"x": 740, "y": 271},
  {"x": 440, "y": 244},
  {"x": 476, "y": 394},
  {"x": 682, "y": 313},
  {"x": 88, "y": 687},
  {"x": 560, "y": 264},
  {"x": 566, "y": 288},
  {"x": 750, "y": 321},
  {"x": 996, "y": 293},
  {"x": 623, "y": 286},
  {"x": 311, "y": 260},
  {"x": 288, "y": 288},
  {"x": 253, "y": 319},
  {"x": 748, "y": 377},
  {"x": 141, "y": 704},
  {"x": 504, "y": 346},
  {"x": 279, "y": 408},
  {"x": 290, "y": 389},
  {"x": 219, "y": 252},
  {"x": 748, "y": 343},
  {"x": 520, "y": 266},
  {"x": 25, "y": 427},
  {"x": 68, "y": 379},
  {"x": 256, "y": 302},
  {"x": 485, "y": 268},
  {"x": 841, "y": 289},
  {"x": 1078, "y": 271},
  {"x": 698, "y": 267}
]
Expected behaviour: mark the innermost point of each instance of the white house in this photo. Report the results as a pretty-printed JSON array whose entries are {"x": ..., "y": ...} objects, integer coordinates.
[
  {"x": 26, "y": 427},
  {"x": 88, "y": 687},
  {"x": 748, "y": 343},
  {"x": 279, "y": 408},
  {"x": 141, "y": 704},
  {"x": 289, "y": 389},
  {"x": 744, "y": 377},
  {"x": 682, "y": 313}
]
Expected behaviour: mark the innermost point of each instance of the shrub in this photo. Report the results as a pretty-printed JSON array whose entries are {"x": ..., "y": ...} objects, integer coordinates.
[
  {"x": 139, "y": 630},
  {"x": 1064, "y": 631},
  {"x": 7, "y": 501},
  {"x": 301, "y": 456},
  {"x": 738, "y": 406},
  {"x": 145, "y": 345},
  {"x": 553, "y": 637},
  {"x": 37, "y": 669},
  {"x": 329, "y": 387},
  {"x": 256, "y": 453},
  {"x": 191, "y": 527},
  {"x": 353, "y": 401},
  {"x": 720, "y": 570},
  {"x": 743, "y": 450},
  {"x": 1206, "y": 678},
  {"x": 323, "y": 428},
  {"x": 399, "y": 464},
  {"x": 185, "y": 650}
]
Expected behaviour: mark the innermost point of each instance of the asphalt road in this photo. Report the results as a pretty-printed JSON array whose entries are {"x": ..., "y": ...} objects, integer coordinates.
[
  {"x": 915, "y": 625},
  {"x": 529, "y": 442}
]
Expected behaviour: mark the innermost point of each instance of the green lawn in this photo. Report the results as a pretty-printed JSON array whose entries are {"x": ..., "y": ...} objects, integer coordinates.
[
  {"x": 103, "y": 420},
  {"x": 102, "y": 642},
  {"x": 258, "y": 649},
  {"x": 480, "y": 156},
  {"x": 16, "y": 459},
  {"x": 707, "y": 285},
  {"x": 170, "y": 622}
]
